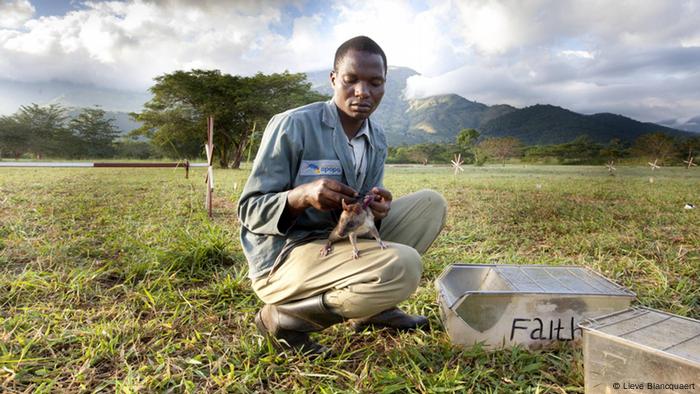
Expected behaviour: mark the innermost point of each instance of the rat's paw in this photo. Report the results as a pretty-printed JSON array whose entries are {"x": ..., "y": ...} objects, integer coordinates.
[
  {"x": 355, "y": 254},
  {"x": 382, "y": 245},
  {"x": 325, "y": 251}
]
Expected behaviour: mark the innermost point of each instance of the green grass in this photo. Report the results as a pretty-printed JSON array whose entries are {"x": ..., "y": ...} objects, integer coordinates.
[{"x": 115, "y": 279}]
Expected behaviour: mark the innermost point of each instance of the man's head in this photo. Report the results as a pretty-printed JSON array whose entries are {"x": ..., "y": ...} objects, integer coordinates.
[{"x": 358, "y": 77}]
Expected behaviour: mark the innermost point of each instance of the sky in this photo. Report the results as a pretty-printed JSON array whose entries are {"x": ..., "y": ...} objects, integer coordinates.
[{"x": 638, "y": 58}]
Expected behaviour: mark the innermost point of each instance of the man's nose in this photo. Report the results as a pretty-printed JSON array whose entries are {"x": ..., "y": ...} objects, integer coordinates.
[{"x": 361, "y": 89}]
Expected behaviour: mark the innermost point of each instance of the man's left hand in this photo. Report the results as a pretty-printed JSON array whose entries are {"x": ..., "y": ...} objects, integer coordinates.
[{"x": 381, "y": 204}]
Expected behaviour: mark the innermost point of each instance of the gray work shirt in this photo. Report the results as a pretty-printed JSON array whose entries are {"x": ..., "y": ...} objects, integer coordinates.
[{"x": 300, "y": 146}]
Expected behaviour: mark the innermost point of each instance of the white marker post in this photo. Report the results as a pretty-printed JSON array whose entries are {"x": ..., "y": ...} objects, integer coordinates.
[
  {"x": 209, "y": 149},
  {"x": 654, "y": 166},
  {"x": 611, "y": 168},
  {"x": 457, "y": 164},
  {"x": 689, "y": 162}
]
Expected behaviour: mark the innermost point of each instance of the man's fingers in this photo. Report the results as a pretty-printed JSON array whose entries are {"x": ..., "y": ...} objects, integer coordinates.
[
  {"x": 380, "y": 209},
  {"x": 379, "y": 206},
  {"x": 384, "y": 193},
  {"x": 335, "y": 198},
  {"x": 340, "y": 188},
  {"x": 325, "y": 194},
  {"x": 332, "y": 200}
]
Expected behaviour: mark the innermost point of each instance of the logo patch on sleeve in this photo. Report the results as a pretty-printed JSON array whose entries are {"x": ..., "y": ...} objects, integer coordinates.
[{"x": 320, "y": 167}]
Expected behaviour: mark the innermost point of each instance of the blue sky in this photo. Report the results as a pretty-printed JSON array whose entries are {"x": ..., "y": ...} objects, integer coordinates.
[
  {"x": 54, "y": 7},
  {"x": 639, "y": 58}
]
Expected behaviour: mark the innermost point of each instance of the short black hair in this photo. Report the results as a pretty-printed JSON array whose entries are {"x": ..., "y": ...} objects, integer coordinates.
[{"x": 359, "y": 43}]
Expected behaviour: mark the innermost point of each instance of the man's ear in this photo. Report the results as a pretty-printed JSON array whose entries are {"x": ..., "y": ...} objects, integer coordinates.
[{"x": 332, "y": 77}]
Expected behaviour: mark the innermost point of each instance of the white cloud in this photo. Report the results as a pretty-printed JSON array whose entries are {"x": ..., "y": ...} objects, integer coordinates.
[
  {"x": 489, "y": 26},
  {"x": 689, "y": 42},
  {"x": 125, "y": 45},
  {"x": 13, "y": 14},
  {"x": 305, "y": 50},
  {"x": 421, "y": 40},
  {"x": 581, "y": 54},
  {"x": 638, "y": 56}
]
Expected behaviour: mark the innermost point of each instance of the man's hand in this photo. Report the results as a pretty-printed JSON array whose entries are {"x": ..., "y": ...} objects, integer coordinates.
[
  {"x": 381, "y": 204},
  {"x": 324, "y": 194}
]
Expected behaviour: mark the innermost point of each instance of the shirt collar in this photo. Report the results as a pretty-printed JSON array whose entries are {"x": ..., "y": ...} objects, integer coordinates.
[
  {"x": 330, "y": 118},
  {"x": 364, "y": 130},
  {"x": 329, "y": 114}
]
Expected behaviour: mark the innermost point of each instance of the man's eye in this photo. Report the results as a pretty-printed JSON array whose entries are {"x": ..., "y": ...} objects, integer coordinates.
[{"x": 377, "y": 83}]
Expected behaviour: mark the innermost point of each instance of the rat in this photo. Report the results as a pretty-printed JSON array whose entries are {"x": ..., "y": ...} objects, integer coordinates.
[{"x": 355, "y": 220}]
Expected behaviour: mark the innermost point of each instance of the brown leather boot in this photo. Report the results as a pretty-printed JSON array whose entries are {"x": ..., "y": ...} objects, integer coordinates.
[
  {"x": 288, "y": 325},
  {"x": 394, "y": 319}
]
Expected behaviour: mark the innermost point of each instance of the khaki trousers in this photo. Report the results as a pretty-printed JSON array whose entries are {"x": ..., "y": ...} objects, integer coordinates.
[{"x": 379, "y": 279}]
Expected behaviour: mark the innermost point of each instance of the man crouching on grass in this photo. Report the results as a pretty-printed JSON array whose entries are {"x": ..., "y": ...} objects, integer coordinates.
[{"x": 310, "y": 159}]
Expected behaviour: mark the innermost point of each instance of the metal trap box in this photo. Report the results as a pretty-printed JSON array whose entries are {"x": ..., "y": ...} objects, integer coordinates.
[
  {"x": 641, "y": 350},
  {"x": 532, "y": 305}
]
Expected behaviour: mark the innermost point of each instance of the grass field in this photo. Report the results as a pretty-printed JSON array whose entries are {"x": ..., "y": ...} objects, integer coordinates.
[{"x": 115, "y": 279}]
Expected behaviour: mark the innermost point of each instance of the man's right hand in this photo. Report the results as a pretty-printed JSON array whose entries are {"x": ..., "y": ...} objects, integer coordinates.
[{"x": 324, "y": 194}]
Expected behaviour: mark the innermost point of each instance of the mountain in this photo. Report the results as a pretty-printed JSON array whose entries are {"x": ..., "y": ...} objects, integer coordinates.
[
  {"x": 449, "y": 111},
  {"x": 440, "y": 118},
  {"x": 548, "y": 124}
]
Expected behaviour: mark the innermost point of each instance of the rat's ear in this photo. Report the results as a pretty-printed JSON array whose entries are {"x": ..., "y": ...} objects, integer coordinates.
[{"x": 345, "y": 206}]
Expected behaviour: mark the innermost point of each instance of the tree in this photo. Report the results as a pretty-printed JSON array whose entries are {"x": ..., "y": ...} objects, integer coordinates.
[
  {"x": 689, "y": 147},
  {"x": 466, "y": 140},
  {"x": 502, "y": 148},
  {"x": 95, "y": 131},
  {"x": 46, "y": 131},
  {"x": 176, "y": 132},
  {"x": 14, "y": 140},
  {"x": 581, "y": 150},
  {"x": 418, "y": 155},
  {"x": 175, "y": 118},
  {"x": 614, "y": 150},
  {"x": 422, "y": 153},
  {"x": 127, "y": 148},
  {"x": 654, "y": 146},
  {"x": 267, "y": 95}
]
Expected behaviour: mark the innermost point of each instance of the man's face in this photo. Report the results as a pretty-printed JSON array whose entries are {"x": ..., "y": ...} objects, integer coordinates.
[{"x": 358, "y": 84}]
